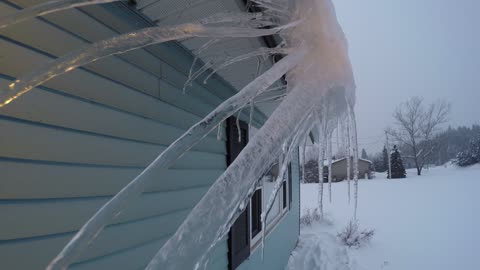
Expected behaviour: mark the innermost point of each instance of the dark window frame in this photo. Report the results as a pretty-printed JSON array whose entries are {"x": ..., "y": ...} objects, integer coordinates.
[
  {"x": 239, "y": 234},
  {"x": 256, "y": 208}
]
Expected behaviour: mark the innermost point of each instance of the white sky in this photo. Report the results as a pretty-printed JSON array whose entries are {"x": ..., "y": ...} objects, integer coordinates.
[{"x": 403, "y": 48}]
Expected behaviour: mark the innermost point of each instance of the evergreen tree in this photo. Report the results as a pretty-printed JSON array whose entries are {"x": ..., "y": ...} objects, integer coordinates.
[
  {"x": 398, "y": 170},
  {"x": 311, "y": 171},
  {"x": 471, "y": 155},
  {"x": 364, "y": 154}
]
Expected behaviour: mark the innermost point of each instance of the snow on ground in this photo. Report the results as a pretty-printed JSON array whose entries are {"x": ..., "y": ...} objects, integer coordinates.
[{"x": 428, "y": 222}]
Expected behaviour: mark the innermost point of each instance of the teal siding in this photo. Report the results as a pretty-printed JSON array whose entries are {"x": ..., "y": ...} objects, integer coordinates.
[
  {"x": 68, "y": 146},
  {"x": 283, "y": 238}
]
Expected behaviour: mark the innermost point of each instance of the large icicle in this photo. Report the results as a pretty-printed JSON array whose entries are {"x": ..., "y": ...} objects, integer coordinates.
[
  {"x": 190, "y": 138},
  {"x": 302, "y": 161},
  {"x": 297, "y": 138},
  {"x": 321, "y": 157},
  {"x": 349, "y": 156},
  {"x": 46, "y": 8},
  {"x": 352, "y": 121},
  {"x": 327, "y": 68},
  {"x": 329, "y": 160},
  {"x": 122, "y": 44},
  {"x": 233, "y": 187}
]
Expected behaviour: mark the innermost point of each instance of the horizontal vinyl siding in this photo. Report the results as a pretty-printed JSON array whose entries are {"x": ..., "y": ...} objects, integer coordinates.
[
  {"x": 27, "y": 179},
  {"x": 69, "y": 145},
  {"x": 29, "y": 140}
]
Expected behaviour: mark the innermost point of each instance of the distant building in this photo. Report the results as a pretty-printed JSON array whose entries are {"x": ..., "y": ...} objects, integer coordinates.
[{"x": 339, "y": 169}]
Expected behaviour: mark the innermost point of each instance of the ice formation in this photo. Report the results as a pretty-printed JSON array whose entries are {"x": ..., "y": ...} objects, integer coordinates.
[
  {"x": 299, "y": 136},
  {"x": 321, "y": 158},
  {"x": 329, "y": 162},
  {"x": 320, "y": 89},
  {"x": 122, "y": 44},
  {"x": 348, "y": 152},
  {"x": 353, "y": 121}
]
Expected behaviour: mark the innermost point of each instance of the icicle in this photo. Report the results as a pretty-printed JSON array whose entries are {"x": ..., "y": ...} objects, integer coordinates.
[
  {"x": 297, "y": 137},
  {"x": 250, "y": 118},
  {"x": 197, "y": 53},
  {"x": 238, "y": 126},
  {"x": 284, "y": 147},
  {"x": 259, "y": 65},
  {"x": 46, "y": 8},
  {"x": 122, "y": 44},
  {"x": 272, "y": 7},
  {"x": 322, "y": 137},
  {"x": 353, "y": 123},
  {"x": 238, "y": 18},
  {"x": 232, "y": 185},
  {"x": 259, "y": 52},
  {"x": 277, "y": 88},
  {"x": 338, "y": 135},
  {"x": 271, "y": 98},
  {"x": 190, "y": 138},
  {"x": 219, "y": 131},
  {"x": 215, "y": 68},
  {"x": 263, "y": 221},
  {"x": 178, "y": 11},
  {"x": 197, "y": 74},
  {"x": 326, "y": 68},
  {"x": 349, "y": 156},
  {"x": 302, "y": 160},
  {"x": 329, "y": 160}
]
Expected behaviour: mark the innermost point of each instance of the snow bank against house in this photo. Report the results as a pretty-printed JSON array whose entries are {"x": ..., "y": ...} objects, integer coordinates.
[{"x": 319, "y": 251}]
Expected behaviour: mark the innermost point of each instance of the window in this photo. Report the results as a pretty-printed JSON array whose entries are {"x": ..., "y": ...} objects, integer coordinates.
[
  {"x": 246, "y": 232},
  {"x": 259, "y": 201},
  {"x": 239, "y": 235},
  {"x": 281, "y": 204}
]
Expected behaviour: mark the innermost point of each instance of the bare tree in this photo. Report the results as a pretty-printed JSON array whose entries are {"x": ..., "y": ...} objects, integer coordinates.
[{"x": 416, "y": 124}]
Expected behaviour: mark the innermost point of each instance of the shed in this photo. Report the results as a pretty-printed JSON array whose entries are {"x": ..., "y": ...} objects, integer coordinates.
[{"x": 339, "y": 169}]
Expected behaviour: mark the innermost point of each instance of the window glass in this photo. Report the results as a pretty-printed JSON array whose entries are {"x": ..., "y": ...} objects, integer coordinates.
[
  {"x": 268, "y": 186},
  {"x": 284, "y": 193},
  {"x": 256, "y": 204}
]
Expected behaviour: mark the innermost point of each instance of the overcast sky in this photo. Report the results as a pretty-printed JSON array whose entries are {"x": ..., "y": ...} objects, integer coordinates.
[{"x": 404, "y": 48}]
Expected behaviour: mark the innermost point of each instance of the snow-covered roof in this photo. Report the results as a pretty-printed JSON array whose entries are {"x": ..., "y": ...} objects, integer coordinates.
[{"x": 325, "y": 163}]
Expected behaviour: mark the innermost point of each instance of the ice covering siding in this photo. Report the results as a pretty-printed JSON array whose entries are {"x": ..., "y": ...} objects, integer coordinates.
[
  {"x": 69, "y": 145},
  {"x": 283, "y": 238}
]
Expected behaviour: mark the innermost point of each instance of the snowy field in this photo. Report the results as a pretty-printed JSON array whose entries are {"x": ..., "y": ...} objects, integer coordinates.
[{"x": 428, "y": 222}]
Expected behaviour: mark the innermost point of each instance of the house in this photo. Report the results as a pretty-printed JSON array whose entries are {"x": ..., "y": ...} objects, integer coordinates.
[
  {"x": 71, "y": 144},
  {"x": 339, "y": 169}
]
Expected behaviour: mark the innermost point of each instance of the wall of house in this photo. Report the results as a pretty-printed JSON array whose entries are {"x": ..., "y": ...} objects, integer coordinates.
[
  {"x": 68, "y": 146},
  {"x": 280, "y": 242}
]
